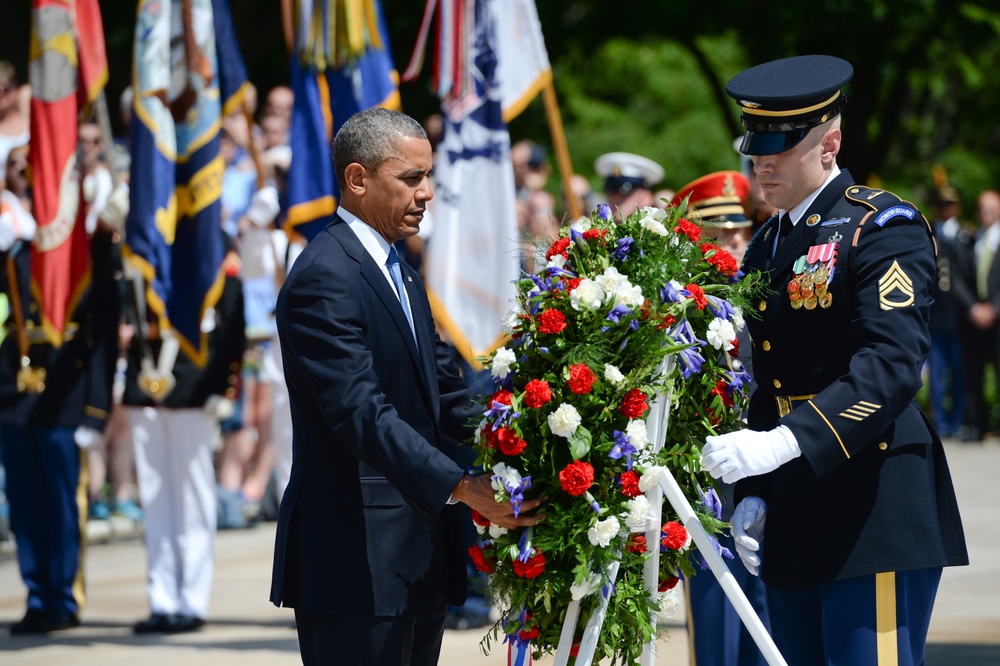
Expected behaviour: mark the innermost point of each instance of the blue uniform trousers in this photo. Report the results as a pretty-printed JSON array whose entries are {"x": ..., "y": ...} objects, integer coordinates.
[
  {"x": 716, "y": 633},
  {"x": 945, "y": 365},
  {"x": 43, "y": 476},
  {"x": 879, "y": 619}
]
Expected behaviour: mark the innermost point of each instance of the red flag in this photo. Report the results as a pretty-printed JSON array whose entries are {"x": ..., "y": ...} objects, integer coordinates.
[{"x": 68, "y": 70}]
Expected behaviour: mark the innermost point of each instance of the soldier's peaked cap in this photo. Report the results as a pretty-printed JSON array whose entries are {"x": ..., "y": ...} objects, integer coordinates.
[{"x": 783, "y": 99}]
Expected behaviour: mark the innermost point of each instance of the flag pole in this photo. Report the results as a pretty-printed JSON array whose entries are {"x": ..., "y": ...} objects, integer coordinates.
[{"x": 560, "y": 146}]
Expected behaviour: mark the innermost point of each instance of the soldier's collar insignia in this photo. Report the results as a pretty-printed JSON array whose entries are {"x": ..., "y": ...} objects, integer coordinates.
[
  {"x": 895, "y": 288},
  {"x": 835, "y": 238},
  {"x": 835, "y": 222},
  {"x": 813, "y": 220}
]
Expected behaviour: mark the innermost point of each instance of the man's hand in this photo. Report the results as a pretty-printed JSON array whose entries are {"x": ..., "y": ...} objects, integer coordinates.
[
  {"x": 116, "y": 209},
  {"x": 983, "y": 315},
  {"x": 744, "y": 453},
  {"x": 478, "y": 493},
  {"x": 748, "y": 531}
]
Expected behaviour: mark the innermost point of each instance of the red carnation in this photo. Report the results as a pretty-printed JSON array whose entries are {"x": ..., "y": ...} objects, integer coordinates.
[
  {"x": 636, "y": 544},
  {"x": 668, "y": 584},
  {"x": 735, "y": 351},
  {"x": 722, "y": 260},
  {"x": 630, "y": 484},
  {"x": 675, "y": 536},
  {"x": 667, "y": 322},
  {"x": 698, "y": 295},
  {"x": 572, "y": 284},
  {"x": 480, "y": 519},
  {"x": 722, "y": 390},
  {"x": 490, "y": 436},
  {"x": 689, "y": 229},
  {"x": 576, "y": 477},
  {"x": 482, "y": 559},
  {"x": 502, "y": 396},
  {"x": 533, "y": 567},
  {"x": 537, "y": 393},
  {"x": 559, "y": 247},
  {"x": 590, "y": 234},
  {"x": 508, "y": 442},
  {"x": 634, "y": 404},
  {"x": 581, "y": 379},
  {"x": 574, "y": 650},
  {"x": 551, "y": 321}
]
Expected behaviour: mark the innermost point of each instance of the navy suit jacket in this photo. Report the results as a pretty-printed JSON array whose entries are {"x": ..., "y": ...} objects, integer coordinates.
[{"x": 364, "y": 526}]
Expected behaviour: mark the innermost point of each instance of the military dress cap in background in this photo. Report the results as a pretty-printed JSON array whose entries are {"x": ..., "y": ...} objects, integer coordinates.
[
  {"x": 783, "y": 99},
  {"x": 718, "y": 198},
  {"x": 623, "y": 172},
  {"x": 945, "y": 194}
]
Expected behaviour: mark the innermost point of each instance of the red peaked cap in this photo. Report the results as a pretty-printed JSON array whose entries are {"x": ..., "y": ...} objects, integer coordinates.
[{"x": 718, "y": 198}]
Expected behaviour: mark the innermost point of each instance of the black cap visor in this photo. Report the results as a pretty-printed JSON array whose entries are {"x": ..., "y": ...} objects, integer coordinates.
[{"x": 771, "y": 143}]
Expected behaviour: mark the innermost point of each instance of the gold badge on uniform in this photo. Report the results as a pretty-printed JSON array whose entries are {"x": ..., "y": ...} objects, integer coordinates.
[
  {"x": 895, "y": 288},
  {"x": 813, "y": 272}
]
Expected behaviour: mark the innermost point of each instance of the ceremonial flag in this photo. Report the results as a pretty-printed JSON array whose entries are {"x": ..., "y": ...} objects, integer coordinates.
[
  {"x": 68, "y": 71},
  {"x": 341, "y": 64},
  {"x": 187, "y": 73},
  {"x": 474, "y": 254}
]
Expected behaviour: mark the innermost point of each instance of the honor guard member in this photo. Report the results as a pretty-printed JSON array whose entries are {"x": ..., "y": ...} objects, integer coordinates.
[
  {"x": 845, "y": 504},
  {"x": 54, "y": 400},
  {"x": 716, "y": 634},
  {"x": 174, "y": 406},
  {"x": 628, "y": 180}
]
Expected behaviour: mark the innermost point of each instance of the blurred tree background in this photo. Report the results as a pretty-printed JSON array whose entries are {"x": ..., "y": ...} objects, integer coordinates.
[{"x": 649, "y": 77}]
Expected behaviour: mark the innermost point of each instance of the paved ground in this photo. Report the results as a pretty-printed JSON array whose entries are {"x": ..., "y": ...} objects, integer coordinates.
[{"x": 244, "y": 629}]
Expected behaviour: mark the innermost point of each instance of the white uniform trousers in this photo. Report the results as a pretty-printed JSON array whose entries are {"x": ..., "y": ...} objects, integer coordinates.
[{"x": 173, "y": 455}]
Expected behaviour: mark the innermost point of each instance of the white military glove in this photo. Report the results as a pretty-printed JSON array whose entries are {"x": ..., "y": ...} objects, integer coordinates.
[
  {"x": 86, "y": 437},
  {"x": 264, "y": 206},
  {"x": 748, "y": 531},
  {"x": 219, "y": 407},
  {"x": 117, "y": 207},
  {"x": 737, "y": 455}
]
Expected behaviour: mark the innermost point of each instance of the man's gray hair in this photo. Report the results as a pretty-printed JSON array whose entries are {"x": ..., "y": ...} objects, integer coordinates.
[{"x": 369, "y": 138}]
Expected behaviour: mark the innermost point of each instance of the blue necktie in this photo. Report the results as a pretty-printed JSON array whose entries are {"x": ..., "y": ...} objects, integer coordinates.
[{"x": 397, "y": 278}]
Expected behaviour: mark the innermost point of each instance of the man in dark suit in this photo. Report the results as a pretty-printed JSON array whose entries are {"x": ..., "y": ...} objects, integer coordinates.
[
  {"x": 976, "y": 291},
  {"x": 367, "y": 549},
  {"x": 840, "y": 473}
]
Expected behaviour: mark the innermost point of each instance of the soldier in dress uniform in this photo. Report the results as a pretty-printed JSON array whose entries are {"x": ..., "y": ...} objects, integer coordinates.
[
  {"x": 716, "y": 635},
  {"x": 54, "y": 399},
  {"x": 845, "y": 501},
  {"x": 174, "y": 407},
  {"x": 628, "y": 180}
]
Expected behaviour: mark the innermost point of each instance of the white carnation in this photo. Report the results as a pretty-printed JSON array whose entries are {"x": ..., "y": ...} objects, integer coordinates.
[
  {"x": 653, "y": 225},
  {"x": 651, "y": 477},
  {"x": 654, "y": 212},
  {"x": 589, "y": 586},
  {"x": 502, "y": 361},
  {"x": 638, "y": 512},
  {"x": 721, "y": 334},
  {"x": 637, "y": 434},
  {"x": 564, "y": 421},
  {"x": 668, "y": 603},
  {"x": 611, "y": 281},
  {"x": 508, "y": 474},
  {"x": 738, "y": 321},
  {"x": 604, "y": 531},
  {"x": 496, "y": 531},
  {"x": 511, "y": 319},
  {"x": 613, "y": 374},
  {"x": 557, "y": 261},
  {"x": 631, "y": 297},
  {"x": 588, "y": 295},
  {"x": 480, "y": 529}
]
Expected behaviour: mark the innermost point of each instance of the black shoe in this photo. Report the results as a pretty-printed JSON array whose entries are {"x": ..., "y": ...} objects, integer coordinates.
[
  {"x": 156, "y": 623},
  {"x": 55, "y": 620},
  {"x": 29, "y": 623},
  {"x": 180, "y": 624}
]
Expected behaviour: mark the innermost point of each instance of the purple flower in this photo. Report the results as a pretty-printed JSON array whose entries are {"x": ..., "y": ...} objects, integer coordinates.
[
  {"x": 720, "y": 307},
  {"x": 617, "y": 313},
  {"x": 710, "y": 500},
  {"x": 503, "y": 414},
  {"x": 720, "y": 549},
  {"x": 622, "y": 248},
  {"x": 740, "y": 379},
  {"x": 669, "y": 294},
  {"x": 623, "y": 448},
  {"x": 604, "y": 211},
  {"x": 593, "y": 503},
  {"x": 691, "y": 361},
  {"x": 524, "y": 546}
]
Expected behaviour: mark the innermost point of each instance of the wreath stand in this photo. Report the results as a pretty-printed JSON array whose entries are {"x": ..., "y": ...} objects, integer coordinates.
[{"x": 657, "y": 421}]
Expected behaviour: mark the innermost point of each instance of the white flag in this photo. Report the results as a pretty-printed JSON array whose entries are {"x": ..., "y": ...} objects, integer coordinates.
[
  {"x": 473, "y": 255},
  {"x": 523, "y": 68}
]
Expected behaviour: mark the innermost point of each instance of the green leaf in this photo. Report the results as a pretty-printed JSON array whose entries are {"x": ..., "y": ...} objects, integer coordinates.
[{"x": 579, "y": 443}]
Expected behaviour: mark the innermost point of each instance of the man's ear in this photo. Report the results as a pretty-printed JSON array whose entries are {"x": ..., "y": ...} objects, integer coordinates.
[
  {"x": 356, "y": 178},
  {"x": 831, "y": 145}
]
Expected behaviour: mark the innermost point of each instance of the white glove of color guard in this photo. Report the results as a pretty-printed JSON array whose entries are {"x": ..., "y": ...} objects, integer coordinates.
[
  {"x": 748, "y": 531},
  {"x": 264, "y": 206},
  {"x": 737, "y": 455},
  {"x": 86, "y": 437},
  {"x": 117, "y": 207}
]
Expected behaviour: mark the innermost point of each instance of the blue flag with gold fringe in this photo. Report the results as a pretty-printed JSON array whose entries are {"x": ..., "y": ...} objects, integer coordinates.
[
  {"x": 187, "y": 73},
  {"x": 341, "y": 64}
]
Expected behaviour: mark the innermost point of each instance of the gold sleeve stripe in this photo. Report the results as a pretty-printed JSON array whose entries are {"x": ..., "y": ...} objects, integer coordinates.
[
  {"x": 94, "y": 411},
  {"x": 852, "y": 417},
  {"x": 830, "y": 425},
  {"x": 869, "y": 404}
]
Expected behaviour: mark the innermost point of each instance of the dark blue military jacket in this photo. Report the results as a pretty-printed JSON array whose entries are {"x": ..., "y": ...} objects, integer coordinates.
[{"x": 871, "y": 491}]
